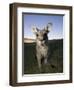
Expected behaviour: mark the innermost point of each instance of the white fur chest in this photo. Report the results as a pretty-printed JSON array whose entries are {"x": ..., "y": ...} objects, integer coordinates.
[
  {"x": 42, "y": 48},
  {"x": 40, "y": 43}
]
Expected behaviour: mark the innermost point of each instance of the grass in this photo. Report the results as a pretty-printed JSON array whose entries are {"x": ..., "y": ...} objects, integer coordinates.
[{"x": 55, "y": 60}]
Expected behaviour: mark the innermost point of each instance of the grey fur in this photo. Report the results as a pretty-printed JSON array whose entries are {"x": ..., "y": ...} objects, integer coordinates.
[{"x": 42, "y": 45}]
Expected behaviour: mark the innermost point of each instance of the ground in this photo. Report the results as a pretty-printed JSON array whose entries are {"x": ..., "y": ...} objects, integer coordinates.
[{"x": 55, "y": 60}]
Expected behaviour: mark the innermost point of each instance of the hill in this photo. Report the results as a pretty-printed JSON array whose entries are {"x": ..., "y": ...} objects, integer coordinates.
[{"x": 28, "y": 40}]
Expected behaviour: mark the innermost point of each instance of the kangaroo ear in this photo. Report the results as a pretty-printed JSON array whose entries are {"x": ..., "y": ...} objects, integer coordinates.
[
  {"x": 48, "y": 27},
  {"x": 34, "y": 29}
]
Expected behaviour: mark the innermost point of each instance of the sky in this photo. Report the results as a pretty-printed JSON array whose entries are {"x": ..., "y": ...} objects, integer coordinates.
[{"x": 40, "y": 21}]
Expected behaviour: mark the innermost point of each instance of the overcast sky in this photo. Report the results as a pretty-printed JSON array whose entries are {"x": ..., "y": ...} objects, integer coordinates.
[{"x": 41, "y": 21}]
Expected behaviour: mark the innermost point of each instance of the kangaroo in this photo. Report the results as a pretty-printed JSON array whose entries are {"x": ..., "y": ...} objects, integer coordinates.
[{"x": 42, "y": 44}]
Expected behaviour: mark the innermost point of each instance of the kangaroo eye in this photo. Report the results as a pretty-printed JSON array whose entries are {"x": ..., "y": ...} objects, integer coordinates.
[
  {"x": 37, "y": 35},
  {"x": 45, "y": 34}
]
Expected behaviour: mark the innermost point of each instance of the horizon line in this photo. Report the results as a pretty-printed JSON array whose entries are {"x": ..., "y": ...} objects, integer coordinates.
[{"x": 48, "y": 38}]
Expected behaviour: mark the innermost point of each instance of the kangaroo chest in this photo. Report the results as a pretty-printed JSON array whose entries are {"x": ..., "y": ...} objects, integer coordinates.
[{"x": 42, "y": 48}]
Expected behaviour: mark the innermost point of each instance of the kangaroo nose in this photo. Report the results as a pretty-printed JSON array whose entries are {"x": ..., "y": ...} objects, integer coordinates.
[{"x": 41, "y": 39}]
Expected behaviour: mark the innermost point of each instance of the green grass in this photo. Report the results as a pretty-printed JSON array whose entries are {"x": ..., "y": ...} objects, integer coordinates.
[{"x": 55, "y": 60}]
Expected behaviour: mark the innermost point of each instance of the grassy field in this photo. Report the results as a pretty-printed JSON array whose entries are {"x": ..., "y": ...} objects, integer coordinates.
[{"x": 55, "y": 60}]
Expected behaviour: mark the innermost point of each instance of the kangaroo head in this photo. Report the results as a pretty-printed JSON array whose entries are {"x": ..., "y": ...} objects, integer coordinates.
[{"x": 42, "y": 34}]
